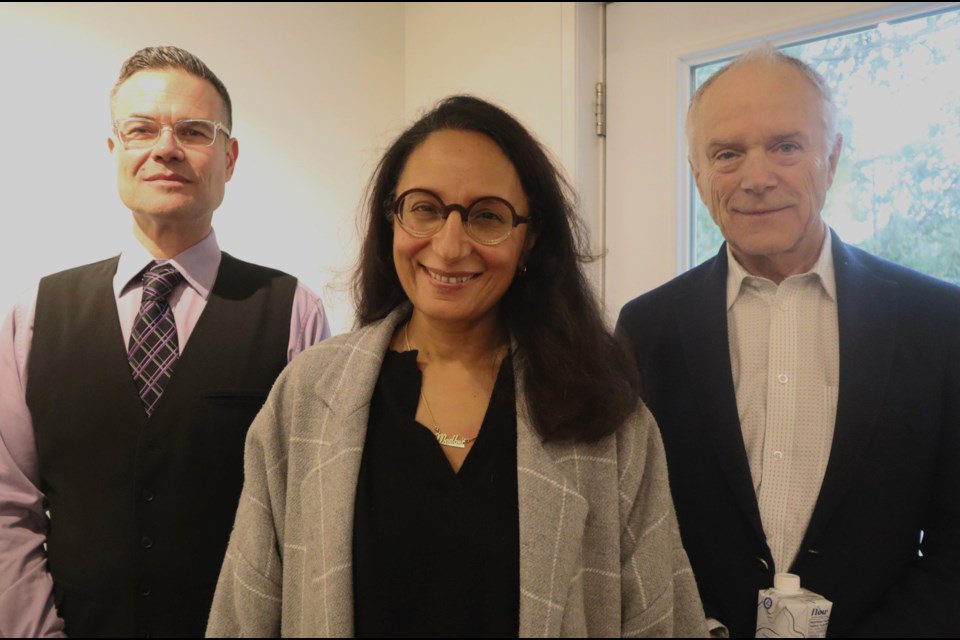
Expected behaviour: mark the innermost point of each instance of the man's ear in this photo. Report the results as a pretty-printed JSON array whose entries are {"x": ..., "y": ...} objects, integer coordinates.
[
  {"x": 834, "y": 158},
  {"x": 233, "y": 152},
  {"x": 694, "y": 168}
]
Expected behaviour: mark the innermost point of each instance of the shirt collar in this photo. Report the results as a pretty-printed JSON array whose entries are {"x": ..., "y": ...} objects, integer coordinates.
[
  {"x": 822, "y": 270},
  {"x": 199, "y": 265}
]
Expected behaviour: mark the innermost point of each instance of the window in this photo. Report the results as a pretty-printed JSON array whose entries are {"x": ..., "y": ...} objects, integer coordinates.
[{"x": 897, "y": 189}]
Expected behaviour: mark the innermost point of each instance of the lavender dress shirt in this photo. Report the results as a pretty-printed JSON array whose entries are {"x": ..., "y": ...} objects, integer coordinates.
[{"x": 26, "y": 588}]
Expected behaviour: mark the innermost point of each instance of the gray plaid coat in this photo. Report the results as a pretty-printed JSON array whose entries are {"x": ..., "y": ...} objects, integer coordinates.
[{"x": 600, "y": 554}]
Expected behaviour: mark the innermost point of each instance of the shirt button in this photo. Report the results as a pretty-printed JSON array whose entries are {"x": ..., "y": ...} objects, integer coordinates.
[
  {"x": 778, "y": 455},
  {"x": 783, "y": 378}
]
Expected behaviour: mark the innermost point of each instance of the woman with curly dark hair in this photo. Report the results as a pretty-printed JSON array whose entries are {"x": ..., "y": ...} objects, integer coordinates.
[{"x": 473, "y": 461}]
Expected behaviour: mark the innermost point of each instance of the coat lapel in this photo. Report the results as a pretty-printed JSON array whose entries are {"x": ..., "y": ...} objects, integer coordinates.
[
  {"x": 552, "y": 520},
  {"x": 867, "y": 317},
  {"x": 705, "y": 345},
  {"x": 346, "y": 389}
]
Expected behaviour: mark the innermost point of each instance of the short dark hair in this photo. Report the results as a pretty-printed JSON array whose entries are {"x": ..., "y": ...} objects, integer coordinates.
[
  {"x": 578, "y": 380},
  {"x": 174, "y": 58}
]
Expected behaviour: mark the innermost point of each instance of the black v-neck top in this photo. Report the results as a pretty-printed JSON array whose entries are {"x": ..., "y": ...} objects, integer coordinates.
[{"x": 435, "y": 553}]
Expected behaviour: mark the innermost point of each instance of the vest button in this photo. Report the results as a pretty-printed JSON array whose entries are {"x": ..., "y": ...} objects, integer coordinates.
[
  {"x": 762, "y": 564},
  {"x": 146, "y": 495},
  {"x": 146, "y": 542},
  {"x": 144, "y": 590}
]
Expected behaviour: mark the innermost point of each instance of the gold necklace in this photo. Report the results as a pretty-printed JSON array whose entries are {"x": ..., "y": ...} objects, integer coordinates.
[{"x": 445, "y": 440}]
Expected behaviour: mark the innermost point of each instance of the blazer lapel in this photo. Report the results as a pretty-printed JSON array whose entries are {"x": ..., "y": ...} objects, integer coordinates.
[
  {"x": 552, "y": 519},
  {"x": 867, "y": 317},
  {"x": 702, "y": 324},
  {"x": 346, "y": 389}
]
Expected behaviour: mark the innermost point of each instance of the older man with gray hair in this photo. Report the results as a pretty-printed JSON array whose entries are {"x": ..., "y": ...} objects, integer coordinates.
[{"x": 808, "y": 393}]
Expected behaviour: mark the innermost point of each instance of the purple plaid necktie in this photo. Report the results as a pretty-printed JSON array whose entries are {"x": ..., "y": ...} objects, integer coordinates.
[{"x": 153, "y": 341}]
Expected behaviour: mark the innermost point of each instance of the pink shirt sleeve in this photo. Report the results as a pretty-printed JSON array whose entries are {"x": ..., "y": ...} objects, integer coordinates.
[
  {"x": 308, "y": 322},
  {"x": 26, "y": 588}
]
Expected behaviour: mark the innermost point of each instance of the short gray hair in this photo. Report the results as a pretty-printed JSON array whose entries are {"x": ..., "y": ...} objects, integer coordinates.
[
  {"x": 770, "y": 55},
  {"x": 173, "y": 58}
]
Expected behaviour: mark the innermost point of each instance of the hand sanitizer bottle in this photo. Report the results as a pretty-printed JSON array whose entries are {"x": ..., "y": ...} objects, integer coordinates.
[{"x": 787, "y": 611}]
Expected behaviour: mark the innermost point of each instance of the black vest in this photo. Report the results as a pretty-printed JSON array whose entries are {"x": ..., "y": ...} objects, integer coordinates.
[{"x": 141, "y": 509}]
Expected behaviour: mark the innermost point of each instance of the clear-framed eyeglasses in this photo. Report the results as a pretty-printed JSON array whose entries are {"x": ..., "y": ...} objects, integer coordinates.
[
  {"x": 143, "y": 133},
  {"x": 488, "y": 220}
]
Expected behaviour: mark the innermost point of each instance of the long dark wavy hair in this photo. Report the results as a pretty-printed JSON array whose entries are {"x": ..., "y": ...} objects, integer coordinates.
[{"x": 579, "y": 382}]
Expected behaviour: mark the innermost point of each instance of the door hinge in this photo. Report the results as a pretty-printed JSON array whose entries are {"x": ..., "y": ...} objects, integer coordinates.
[{"x": 600, "y": 110}]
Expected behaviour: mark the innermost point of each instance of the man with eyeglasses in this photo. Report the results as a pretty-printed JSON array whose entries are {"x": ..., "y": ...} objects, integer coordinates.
[{"x": 127, "y": 386}]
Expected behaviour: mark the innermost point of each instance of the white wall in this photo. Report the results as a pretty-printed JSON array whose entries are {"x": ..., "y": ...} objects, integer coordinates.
[
  {"x": 310, "y": 85},
  {"x": 511, "y": 53},
  {"x": 319, "y": 90}
]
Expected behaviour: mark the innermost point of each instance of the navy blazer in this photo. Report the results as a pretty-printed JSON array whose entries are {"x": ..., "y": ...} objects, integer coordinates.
[{"x": 893, "y": 476}]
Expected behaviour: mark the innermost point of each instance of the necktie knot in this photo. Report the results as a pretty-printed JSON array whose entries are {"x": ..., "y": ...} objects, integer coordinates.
[{"x": 159, "y": 281}]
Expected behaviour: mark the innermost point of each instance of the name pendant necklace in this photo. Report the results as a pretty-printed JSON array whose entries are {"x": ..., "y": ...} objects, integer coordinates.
[{"x": 446, "y": 440}]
